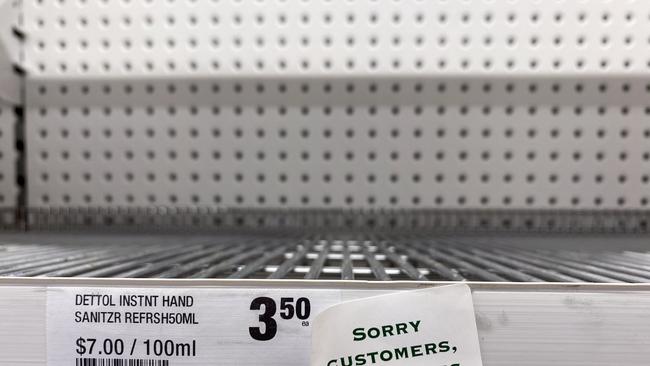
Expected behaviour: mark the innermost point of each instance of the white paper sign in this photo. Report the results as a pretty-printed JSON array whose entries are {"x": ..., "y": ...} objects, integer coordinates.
[
  {"x": 432, "y": 327},
  {"x": 113, "y": 326}
]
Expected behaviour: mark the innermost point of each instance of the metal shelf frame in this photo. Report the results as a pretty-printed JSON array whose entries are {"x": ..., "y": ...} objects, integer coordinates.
[{"x": 344, "y": 256}]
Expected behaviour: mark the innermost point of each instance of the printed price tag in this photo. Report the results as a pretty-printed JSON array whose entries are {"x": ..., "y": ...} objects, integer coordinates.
[
  {"x": 176, "y": 327},
  {"x": 430, "y": 327}
]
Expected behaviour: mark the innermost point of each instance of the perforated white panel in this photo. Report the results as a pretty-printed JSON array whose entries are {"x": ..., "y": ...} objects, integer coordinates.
[
  {"x": 81, "y": 39},
  {"x": 522, "y": 104},
  {"x": 8, "y": 190}
]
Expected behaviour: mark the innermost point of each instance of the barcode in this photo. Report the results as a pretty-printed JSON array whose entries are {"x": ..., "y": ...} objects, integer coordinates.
[{"x": 119, "y": 362}]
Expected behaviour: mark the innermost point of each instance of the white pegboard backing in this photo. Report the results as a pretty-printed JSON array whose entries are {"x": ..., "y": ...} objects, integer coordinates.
[
  {"x": 8, "y": 156},
  {"x": 489, "y": 104},
  {"x": 447, "y": 156},
  {"x": 116, "y": 38},
  {"x": 10, "y": 51}
]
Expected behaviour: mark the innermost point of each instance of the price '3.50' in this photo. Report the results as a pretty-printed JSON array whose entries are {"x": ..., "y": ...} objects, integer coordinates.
[{"x": 301, "y": 310}]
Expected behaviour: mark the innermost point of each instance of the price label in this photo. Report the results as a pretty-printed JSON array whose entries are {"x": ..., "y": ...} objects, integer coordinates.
[{"x": 176, "y": 327}]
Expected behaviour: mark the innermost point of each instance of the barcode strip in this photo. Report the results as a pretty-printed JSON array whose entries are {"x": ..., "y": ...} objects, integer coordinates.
[{"x": 119, "y": 362}]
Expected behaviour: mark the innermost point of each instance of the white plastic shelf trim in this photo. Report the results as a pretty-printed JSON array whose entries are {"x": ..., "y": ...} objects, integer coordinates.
[{"x": 530, "y": 325}]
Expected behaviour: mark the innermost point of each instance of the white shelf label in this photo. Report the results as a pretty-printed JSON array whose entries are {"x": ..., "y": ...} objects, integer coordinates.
[
  {"x": 176, "y": 327},
  {"x": 430, "y": 327}
]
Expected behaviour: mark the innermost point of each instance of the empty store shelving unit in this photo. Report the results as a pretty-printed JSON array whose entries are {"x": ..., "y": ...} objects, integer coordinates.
[{"x": 353, "y": 148}]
